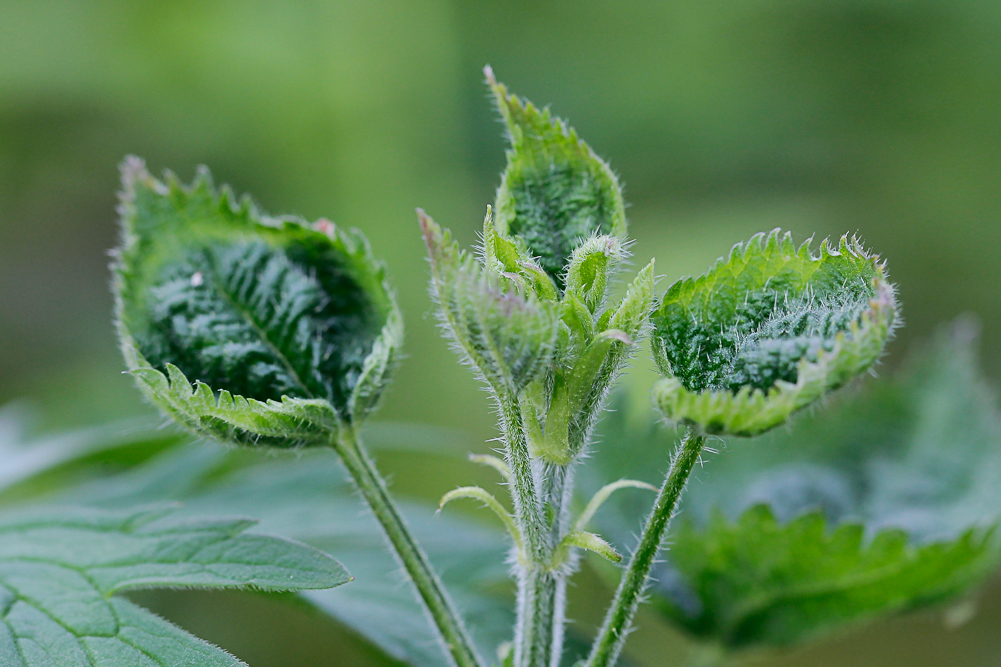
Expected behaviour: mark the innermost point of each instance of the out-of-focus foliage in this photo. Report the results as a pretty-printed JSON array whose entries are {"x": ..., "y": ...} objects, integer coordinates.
[
  {"x": 886, "y": 501},
  {"x": 61, "y": 567},
  {"x": 308, "y": 498}
]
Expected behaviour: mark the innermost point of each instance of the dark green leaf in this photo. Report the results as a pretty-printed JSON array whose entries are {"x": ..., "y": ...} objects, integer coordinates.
[
  {"x": 769, "y": 331},
  {"x": 897, "y": 485},
  {"x": 555, "y": 192},
  {"x": 286, "y": 328},
  {"x": 756, "y": 581}
]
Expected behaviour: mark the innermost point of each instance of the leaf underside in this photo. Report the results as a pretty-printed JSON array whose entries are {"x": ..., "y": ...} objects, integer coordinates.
[
  {"x": 59, "y": 569},
  {"x": 555, "y": 192},
  {"x": 768, "y": 331},
  {"x": 297, "y": 497},
  {"x": 260, "y": 307}
]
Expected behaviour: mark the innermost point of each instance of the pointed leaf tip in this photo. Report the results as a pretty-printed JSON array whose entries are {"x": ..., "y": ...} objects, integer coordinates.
[{"x": 555, "y": 192}]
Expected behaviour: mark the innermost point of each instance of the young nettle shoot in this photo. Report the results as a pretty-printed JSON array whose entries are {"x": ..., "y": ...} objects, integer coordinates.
[
  {"x": 756, "y": 338},
  {"x": 273, "y": 332}
]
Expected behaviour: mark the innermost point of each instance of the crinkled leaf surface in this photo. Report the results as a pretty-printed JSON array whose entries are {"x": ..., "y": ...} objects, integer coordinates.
[
  {"x": 60, "y": 568},
  {"x": 884, "y": 502},
  {"x": 555, "y": 192},
  {"x": 285, "y": 327},
  {"x": 309, "y": 498},
  {"x": 768, "y": 331}
]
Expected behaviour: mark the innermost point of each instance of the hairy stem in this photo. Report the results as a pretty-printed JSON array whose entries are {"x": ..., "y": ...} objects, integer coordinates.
[
  {"x": 443, "y": 613},
  {"x": 557, "y": 489},
  {"x": 612, "y": 636},
  {"x": 536, "y": 583}
]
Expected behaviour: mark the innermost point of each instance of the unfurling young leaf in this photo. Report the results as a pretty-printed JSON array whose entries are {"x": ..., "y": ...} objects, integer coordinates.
[
  {"x": 288, "y": 330},
  {"x": 769, "y": 331},
  {"x": 555, "y": 192},
  {"x": 60, "y": 570},
  {"x": 508, "y": 335}
]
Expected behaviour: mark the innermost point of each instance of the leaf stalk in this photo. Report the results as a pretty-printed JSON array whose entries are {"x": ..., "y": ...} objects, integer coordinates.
[
  {"x": 453, "y": 634},
  {"x": 612, "y": 637}
]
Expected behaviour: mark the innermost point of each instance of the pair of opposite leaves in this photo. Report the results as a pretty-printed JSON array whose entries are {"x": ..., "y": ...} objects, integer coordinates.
[{"x": 290, "y": 329}]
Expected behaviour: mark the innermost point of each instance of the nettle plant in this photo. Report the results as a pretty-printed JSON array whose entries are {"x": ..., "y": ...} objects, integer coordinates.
[{"x": 274, "y": 333}]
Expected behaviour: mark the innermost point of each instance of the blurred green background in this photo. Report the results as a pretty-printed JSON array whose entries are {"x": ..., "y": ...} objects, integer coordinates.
[{"x": 723, "y": 119}]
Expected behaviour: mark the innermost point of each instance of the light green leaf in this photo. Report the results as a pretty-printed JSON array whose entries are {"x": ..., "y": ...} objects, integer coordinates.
[
  {"x": 603, "y": 494},
  {"x": 769, "y": 331},
  {"x": 490, "y": 502},
  {"x": 59, "y": 569},
  {"x": 309, "y": 498},
  {"x": 587, "y": 541},
  {"x": 886, "y": 501},
  {"x": 555, "y": 192},
  {"x": 590, "y": 268},
  {"x": 286, "y": 328},
  {"x": 291, "y": 422},
  {"x": 633, "y": 312}
]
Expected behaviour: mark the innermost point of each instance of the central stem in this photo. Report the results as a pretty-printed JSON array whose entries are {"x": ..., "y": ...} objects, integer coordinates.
[
  {"x": 612, "y": 636},
  {"x": 372, "y": 487},
  {"x": 539, "y": 512}
]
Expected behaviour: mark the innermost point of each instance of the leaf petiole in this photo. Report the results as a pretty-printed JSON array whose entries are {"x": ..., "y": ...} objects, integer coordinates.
[
  {"x": 612, "y": 636},
  {"x": 410, "y": 554}
]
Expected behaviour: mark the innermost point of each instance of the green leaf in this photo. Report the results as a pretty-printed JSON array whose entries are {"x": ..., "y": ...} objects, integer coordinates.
[
  {"x": 886, "y": 501},
  {"x": 507, "y": 335},
  {"x": 587, "y": 541},
  {"x": 756, "y": 581},
  {"x": 591, "y": 266},
  {"x": 59, "y": 569},
  {"x": 286, "y": 328},
  {"x": 308, "y": 498},
  {"x": 769, "y": 331},
  {"x": 555, "y": 192},
  {"x": 490, "y": 502}
]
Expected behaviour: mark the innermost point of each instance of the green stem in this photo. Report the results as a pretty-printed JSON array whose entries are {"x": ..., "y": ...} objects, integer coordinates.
[
  {"x": 456, "y": 640},
  {"x": 536, "y": 583},
  {"x": 612, "y": 636}
]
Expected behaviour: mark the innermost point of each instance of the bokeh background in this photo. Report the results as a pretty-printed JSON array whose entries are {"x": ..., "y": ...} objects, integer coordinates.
[{"x": 723, "y": 119}]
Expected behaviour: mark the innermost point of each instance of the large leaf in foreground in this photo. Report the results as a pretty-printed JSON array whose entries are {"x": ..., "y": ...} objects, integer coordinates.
[
  {"x": 887, "y": 501},
  {"x": 309, "y": 498},
  {"x": 60, "y": 568}
]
